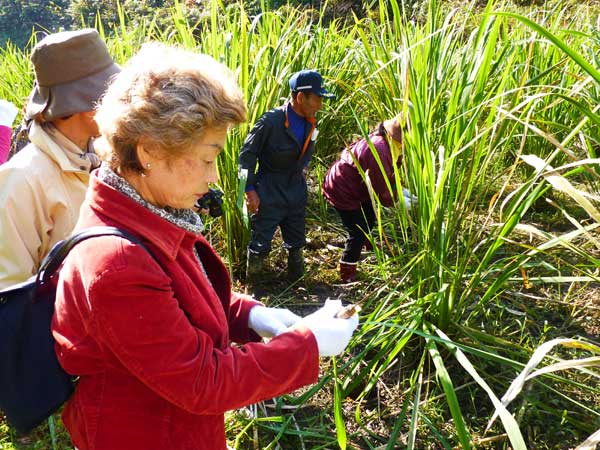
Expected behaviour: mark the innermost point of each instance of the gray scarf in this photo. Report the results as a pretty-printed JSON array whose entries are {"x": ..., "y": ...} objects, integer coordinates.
[{"x": 183, "y": 218}]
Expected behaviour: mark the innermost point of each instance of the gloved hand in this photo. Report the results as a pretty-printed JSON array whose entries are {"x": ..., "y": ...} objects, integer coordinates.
[
  {"x": 409, "y": 199},
  {"x": 269, "y": 322},
  {"x": 332, "y": 334},
  {"x": 8, "y": 112}
]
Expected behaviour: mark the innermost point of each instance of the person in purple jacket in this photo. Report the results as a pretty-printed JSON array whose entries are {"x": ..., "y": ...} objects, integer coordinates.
[{"x": 345, "y": 189}]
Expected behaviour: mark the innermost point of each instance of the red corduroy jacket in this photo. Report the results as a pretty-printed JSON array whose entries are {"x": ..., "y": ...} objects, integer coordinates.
[{"x": 149, "y": 337}]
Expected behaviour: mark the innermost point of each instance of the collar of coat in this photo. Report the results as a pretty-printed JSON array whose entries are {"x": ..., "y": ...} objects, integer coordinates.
[
  {"x": 118, "y": 209},
  {"x": 42, "y": 140}
]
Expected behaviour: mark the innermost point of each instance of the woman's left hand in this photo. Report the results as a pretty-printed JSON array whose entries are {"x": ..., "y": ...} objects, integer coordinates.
[{"x": 269, "y": 322}]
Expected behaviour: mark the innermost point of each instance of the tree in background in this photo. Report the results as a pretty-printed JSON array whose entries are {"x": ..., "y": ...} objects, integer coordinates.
[
  {"x": 87, "y": 11},
  {"x": 19, "y": 18},
  {"x": 335, "y": 8}
]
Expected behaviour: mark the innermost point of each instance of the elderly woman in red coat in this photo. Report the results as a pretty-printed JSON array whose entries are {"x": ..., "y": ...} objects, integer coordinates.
[
  {"x": 149, "y": 333},
  {"x": 345, "y": 189}
]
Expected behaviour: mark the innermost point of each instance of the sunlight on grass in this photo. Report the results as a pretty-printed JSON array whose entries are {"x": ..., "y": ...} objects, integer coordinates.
[{"x": 501, "y": 128}]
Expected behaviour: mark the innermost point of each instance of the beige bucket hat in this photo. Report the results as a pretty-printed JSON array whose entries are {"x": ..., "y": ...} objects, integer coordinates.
[{"x": 72, "y": 71}]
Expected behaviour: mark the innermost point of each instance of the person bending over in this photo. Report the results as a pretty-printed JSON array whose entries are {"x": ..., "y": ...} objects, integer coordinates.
[{"x": 345, "y": 189}]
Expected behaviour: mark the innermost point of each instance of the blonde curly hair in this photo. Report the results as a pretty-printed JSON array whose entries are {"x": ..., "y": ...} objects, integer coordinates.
[{"x": 167, "y": 98}]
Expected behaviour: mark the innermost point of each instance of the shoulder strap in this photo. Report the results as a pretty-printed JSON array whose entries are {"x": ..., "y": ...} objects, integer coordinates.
[{"x": 59, "y": 252}]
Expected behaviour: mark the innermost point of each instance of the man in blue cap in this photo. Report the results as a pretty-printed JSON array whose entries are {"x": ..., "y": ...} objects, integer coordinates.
[{"x": 282, "y": 143}]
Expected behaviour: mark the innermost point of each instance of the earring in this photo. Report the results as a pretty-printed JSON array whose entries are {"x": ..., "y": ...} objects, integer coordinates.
[{"x": 148, "y": 166}]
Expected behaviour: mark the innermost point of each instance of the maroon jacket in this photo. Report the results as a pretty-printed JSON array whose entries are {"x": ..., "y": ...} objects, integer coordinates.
[
  {"x": 150, "y": 337},
  {"x": 344, "y": 187}
]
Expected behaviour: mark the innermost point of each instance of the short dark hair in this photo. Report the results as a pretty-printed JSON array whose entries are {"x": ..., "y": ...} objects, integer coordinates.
[{"x": 306, "y": 94}]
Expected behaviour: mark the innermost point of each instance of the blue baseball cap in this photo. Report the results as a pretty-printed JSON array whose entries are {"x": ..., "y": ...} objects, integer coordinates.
[{"x": 309, "y": 81}]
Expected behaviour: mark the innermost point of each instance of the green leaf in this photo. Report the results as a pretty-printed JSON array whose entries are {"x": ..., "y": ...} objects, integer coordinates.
[
  {"x": 459, "y": 422},
  {"x": 340, "y": 426}
]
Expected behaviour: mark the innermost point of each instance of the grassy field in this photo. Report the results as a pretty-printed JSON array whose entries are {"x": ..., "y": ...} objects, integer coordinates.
[{"x": 481, "y": 305}]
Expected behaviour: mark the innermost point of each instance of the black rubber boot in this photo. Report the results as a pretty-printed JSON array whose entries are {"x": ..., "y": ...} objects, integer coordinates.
[
  {"x": 255, "y": 264},
  {"x": 295, "y": 264}
]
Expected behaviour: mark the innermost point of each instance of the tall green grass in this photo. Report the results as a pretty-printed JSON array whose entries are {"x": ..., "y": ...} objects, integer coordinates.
[
  {"x": 476, "y": 100},
  {"x": 16, "y": 80}
]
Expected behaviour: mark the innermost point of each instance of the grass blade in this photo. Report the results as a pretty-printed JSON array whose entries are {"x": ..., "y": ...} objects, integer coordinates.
[{"x": 338, "y": 414}]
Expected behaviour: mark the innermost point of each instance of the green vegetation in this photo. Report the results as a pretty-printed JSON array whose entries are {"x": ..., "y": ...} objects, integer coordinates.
[{"x": 499, "y": 256}]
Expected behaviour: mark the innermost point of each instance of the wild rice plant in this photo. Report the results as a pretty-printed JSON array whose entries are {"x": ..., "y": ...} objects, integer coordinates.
[
  {"x": 16, "y": 72},
  {"x": 473, "y": 102}
]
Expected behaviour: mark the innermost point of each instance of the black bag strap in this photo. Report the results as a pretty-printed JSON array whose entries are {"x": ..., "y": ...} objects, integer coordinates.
[{"x": 59, "y": 252}]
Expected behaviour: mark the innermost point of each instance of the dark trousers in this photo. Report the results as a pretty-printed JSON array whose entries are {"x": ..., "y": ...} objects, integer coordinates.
[
  {"x": 358, "y": 224},
  {"x": 264, "y": 224},
  {"x": 283, "y": 200}
]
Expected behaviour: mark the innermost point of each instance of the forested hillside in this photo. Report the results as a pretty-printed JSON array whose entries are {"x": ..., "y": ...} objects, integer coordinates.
[{"x": 18, "y": 18}]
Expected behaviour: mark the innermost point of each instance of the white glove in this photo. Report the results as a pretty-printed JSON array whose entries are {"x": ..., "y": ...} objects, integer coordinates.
[
  {"x": 409, "y": 199},
  {"x": 8, "y": 112},
  {"x": 332, "y": 334},
  {"x": 269, "y": 322}
]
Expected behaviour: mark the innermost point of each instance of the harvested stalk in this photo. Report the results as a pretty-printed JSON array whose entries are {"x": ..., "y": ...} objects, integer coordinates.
[{"x": 348, "y": 311}]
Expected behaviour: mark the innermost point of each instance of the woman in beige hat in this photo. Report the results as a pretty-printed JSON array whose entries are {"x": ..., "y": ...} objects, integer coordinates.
[
  {"x": 345, "y": 189},
  {"x": 42, "y": 187}
]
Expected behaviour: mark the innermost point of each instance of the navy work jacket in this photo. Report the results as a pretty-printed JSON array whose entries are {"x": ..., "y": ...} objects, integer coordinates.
[{"x": 274, "y": 147}]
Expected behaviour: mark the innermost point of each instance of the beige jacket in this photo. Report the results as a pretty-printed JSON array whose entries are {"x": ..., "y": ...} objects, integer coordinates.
[{"x": 41, "y": 191}]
